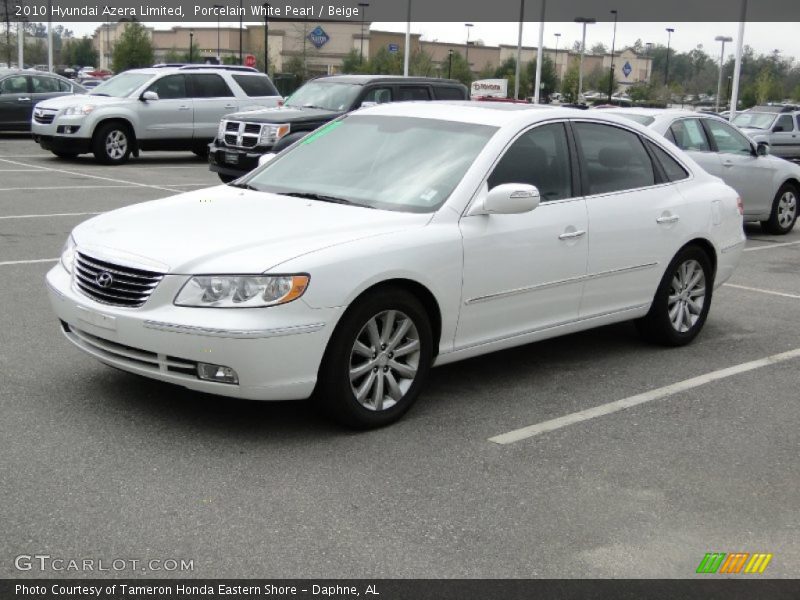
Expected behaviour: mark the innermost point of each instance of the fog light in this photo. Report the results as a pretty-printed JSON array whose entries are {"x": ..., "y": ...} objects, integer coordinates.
[{"x": 217, "y": 373}]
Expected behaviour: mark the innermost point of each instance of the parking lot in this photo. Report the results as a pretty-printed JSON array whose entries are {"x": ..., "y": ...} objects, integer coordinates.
[{"x": 99, "y": 463}]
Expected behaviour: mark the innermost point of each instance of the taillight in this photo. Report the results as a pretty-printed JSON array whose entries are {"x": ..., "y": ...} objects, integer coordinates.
[{"x": 740, "y": 206}]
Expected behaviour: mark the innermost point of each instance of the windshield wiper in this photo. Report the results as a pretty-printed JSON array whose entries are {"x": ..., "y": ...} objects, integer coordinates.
[
  {"x": 100, "y": 94},
  {"x": 243, "y": 186},
  {"x": 324, "y": 198}
]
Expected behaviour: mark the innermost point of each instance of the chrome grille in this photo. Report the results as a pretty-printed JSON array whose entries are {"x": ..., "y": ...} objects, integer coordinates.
[
  {"x": 114, "y": 284},
  {"x": 43, "y": 117},
  {"x": 239, "y": 134}
]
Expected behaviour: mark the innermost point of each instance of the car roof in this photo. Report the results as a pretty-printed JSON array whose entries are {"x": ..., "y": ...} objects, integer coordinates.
[{"x": 365, "y": 79}]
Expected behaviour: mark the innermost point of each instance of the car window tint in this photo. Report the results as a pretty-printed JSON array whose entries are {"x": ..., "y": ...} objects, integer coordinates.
[
  {"x": 170, "y": 87},
  {"x": 44, "y": 85},
  {"x": 378, "y": 95},
  {"x": 785, "y": 121},
  {"x": 256, "y": 85},
  {"x": 672, "y": 168},
  {"x": 64, "y": 86},
  {"x": 689, "y": 135},
  {"x": 615, "y": 159},
  {"x": 17, "y": 84},
  {"x": 538, "y": 157},
  {"x": 448, "y": 93},
  {"x": 413, "y": 93},
  {"x": 728, "y": 140},
  {"x": 209, "y": 85}
]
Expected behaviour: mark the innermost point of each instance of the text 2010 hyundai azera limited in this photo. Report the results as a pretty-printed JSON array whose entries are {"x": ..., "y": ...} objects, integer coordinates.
[{"x": 397, "y": 238}]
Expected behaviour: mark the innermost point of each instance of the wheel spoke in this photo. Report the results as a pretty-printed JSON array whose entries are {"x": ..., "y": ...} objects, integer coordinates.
[
  {"x": 676, "y": 315},
  {"x": 362, "y": 349},
  {"x": 687, "y": 317},
  {"x": 377, "y": 395},
  {"x": 388, "y": 325},
  {"x": 399, "y": 334},
  {"x": 697, "y": 292},
  {"x": 394, "y": 390},
  {"x": 360, "y": 370},
  {"x": 693, "y": 306},
  {"x": 411, "y": 346},
  {"x": 405, "y": 371},
  {"x": 365, "y": 387},
  {"x": 374, "y": 334}
]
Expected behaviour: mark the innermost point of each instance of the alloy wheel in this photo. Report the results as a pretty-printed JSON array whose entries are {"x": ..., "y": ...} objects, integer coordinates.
[
  {"x": 116, "y": 144},
  {"x": 687, "y": 297},
  {"x": 787, "y": 209}
]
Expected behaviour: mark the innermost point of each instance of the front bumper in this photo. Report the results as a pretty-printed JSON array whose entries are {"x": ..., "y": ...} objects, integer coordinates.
[
  {"x": 275, "y": 351},
  {"x": 233, "y": 162},
  {"x": 64, "y": 134}
]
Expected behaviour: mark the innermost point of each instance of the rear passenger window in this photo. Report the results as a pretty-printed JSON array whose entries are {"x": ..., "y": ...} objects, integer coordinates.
[
  {"x": 615, "y": 159},
  {"x": 450, "y": 93},
  {"x": 378, "y": 95},
  {"x": 209, "y": 85},
  {"x": 727, "y": 139},
  {"x": 256, "y": 85},
  {"x": 413, "y": 93},
  {"x": 170, "y": 87},
  {"x": 538, "y": 157},
  {"x": 689, "y": 135},
  {"x": 672, "y": 168}
]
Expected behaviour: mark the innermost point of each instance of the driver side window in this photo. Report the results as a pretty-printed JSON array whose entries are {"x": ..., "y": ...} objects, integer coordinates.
[{"x": 170, "y": 87}]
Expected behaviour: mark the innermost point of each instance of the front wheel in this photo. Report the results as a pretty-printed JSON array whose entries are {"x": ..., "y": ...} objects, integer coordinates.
[
  {"x": 377, "y": 360},
  {"x": 680, "y": 306},
  {"x": 112, "y": 144},
  {"x": 784, "y": 211}
]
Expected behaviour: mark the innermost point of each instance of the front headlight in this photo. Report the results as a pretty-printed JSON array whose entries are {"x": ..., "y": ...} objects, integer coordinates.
[
  {"x": 68, "y": 254},
  {"x": 83, "y": 109},
  {"x": 241, "y": 291},
  {"x": 272, "y": 133}
]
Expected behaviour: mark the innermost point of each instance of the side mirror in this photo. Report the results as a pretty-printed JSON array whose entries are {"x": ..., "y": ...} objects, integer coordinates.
[
  {"x": 149, "y": 96},
  {"x": 507, "y": 199},
  {"x": 367, "y": 104},
  {"x": 265, "y": 158},
  {"x": 762, "y": 149}
]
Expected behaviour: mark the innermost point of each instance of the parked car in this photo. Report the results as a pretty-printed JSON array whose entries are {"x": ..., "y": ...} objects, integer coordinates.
[
  {"x": 243, "y": 137},
  {"x": 396, "y": 238},
  {"x": 160, "y": 108},
  {"x": 769, "y": 186},
  {"x": 778, "y": 126},
  {"x": 21, "y": 90},
  {"x": 90, "y": 84}
]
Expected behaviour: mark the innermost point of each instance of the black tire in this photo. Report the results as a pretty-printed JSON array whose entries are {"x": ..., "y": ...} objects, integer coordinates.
[
  {"x": 226, "y": 178},
  {"x": 784, "y": 211},
  {"x": 659, "y": 324},
  {"x": 66, "y": 155},
  {"x": 102, "y": 143},
  {"x": 335, "y": 392}
]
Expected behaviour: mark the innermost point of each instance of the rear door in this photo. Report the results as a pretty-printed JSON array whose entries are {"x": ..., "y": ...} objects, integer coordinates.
[
  {"x": 171, "y": 116},
  {"x": 15, "y": 102},
  {"x": 213, "y": 99},
  {"x": 690, "y": 136},
  {"x": 407, "y": 93}
]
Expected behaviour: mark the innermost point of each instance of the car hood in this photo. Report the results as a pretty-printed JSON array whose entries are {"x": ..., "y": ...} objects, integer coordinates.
[
  {"x": 64, "y": 101},
  {"x": 223, "y": 230},
  {"x": 283, "y": 114}
]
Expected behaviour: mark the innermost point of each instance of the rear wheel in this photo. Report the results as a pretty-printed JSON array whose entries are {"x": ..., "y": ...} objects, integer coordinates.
[
  {"x": 784, "y": 211},
  {"x": 111, "y": 144},
  {"x": 682, "y": 301},
  {"x": 377, "y": 360}
]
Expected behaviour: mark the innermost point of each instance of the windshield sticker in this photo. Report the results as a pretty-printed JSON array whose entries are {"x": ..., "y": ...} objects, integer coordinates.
[
  {"x": 428, "y": 195},
  {"x": 321, "y": 132}
]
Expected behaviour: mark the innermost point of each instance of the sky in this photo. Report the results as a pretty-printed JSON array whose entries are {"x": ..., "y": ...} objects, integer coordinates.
[{"x": 763, "y": 37}]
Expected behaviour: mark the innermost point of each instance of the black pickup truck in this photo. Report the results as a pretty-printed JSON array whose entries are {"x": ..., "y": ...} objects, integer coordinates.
[{"x": 243, "y": 137}]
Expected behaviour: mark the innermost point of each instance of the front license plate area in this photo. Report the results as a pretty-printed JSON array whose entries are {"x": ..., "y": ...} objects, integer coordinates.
[{"x": 97, "y": 319}]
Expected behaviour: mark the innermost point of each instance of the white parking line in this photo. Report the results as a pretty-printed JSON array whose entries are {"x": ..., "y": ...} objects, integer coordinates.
[
  {"x": 80, "y": 214},
  {"x": 26, "y": 262},
  {"x": 770, "y": 246},
  {"x": 70, "y": 187},
  {"x": 656, "y": 394},
  {"x": 18, "y": 170},
  {"x": 761, "y": 291}
]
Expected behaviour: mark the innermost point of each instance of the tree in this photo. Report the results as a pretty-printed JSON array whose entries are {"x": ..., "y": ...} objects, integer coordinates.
[
  {"x": 351, "y": 63},
  {"x": 79, "y": 52},
  {"x": 549, "y": 79},
  {"x": 296, "y": 66},
  {"x": 569, "y": 86},
  {"x": 507, "y": 70},
  {"x": 767, "y": 88},
  {"x": 420, "y": 64},
  {"x": 134, "y": 48},
  {"x": 599, "y": 48}
]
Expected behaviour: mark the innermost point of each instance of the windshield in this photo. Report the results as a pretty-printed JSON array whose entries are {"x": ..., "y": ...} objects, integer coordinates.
[
  {"x": 393, "y": 163},
  {"x": 329, "y": 96},
  {"x": 121, "y": 85},
  {"x": 754, "y": 120},
  {"x": 641, "y": 119}
]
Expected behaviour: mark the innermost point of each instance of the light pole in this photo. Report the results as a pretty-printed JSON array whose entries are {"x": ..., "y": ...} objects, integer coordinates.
[
  {"x": 584, "y": 21},
  {"x": 266, "y": 37},
  {"x": 648, "y": 46},
  {"x": 363, "y": 6},
  {"x": 611, "y": 71},
  {"x": 191, "y": 43},
  {"x": 466, "y": 48},
  {"x": 219, "y": 8},
  {"x": 241, "y": 13},
  {"x": 558, "y": 37},
  {"x": 723, "y": 39},
  {"x": 449, "y": 63},
  {"x": 670, "y": 31}
]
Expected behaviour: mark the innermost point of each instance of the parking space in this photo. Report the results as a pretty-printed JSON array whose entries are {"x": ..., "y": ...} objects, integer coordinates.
[{"x": 98, "y": 462}]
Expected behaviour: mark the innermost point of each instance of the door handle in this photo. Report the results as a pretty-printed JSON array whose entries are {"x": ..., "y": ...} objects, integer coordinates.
[
  {"x": 23, "y": 99},
  {"x": 727, "y": 164},
  {"x": 572, "y": 235},
  {"x": 184, "y": 107},
  {"x": 669, "y": 219},
  {"x": 229, "y": 106}
]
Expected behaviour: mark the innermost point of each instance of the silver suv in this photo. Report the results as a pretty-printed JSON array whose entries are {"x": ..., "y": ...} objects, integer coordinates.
[
  {"x": 778, "y": 126},
  {"x": 166, "y": 107}
]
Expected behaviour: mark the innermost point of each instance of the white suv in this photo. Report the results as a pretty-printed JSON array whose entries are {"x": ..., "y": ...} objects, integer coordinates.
[{"x": 169, "y": 107}]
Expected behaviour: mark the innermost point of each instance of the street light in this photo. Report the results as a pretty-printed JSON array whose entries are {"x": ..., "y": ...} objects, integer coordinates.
[
  {"x": 266, "y": 37},
  {"x": 558, "y": 37},
  {"x": 723, "y": 39},
  {"x": 449, "y": 63},
  {"x": 363, "y": 6},
  {"x": 613, "y": 44},
  {"x": 584, "y": 21},
  {"x": 670, "y": 31},
  {"x": 648, "y": 46},
  {"x": 191, "y": 43},
  {"x": 219, "y": 8},
  {"x": 466, "y": 51}
]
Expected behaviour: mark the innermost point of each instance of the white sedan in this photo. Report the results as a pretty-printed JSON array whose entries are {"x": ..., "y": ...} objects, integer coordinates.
[
  {"x": 769, "y": 186},
  {"x": 397, "y": 238}
]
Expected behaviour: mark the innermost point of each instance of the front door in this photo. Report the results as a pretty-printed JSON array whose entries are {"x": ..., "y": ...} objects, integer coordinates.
[{"x": 171, "y": 116}]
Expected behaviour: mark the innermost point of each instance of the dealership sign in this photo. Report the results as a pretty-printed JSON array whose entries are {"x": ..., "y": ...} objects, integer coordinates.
[
  {"x": 318, "y": 37},
  {"x": 496, "y": 88}
]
